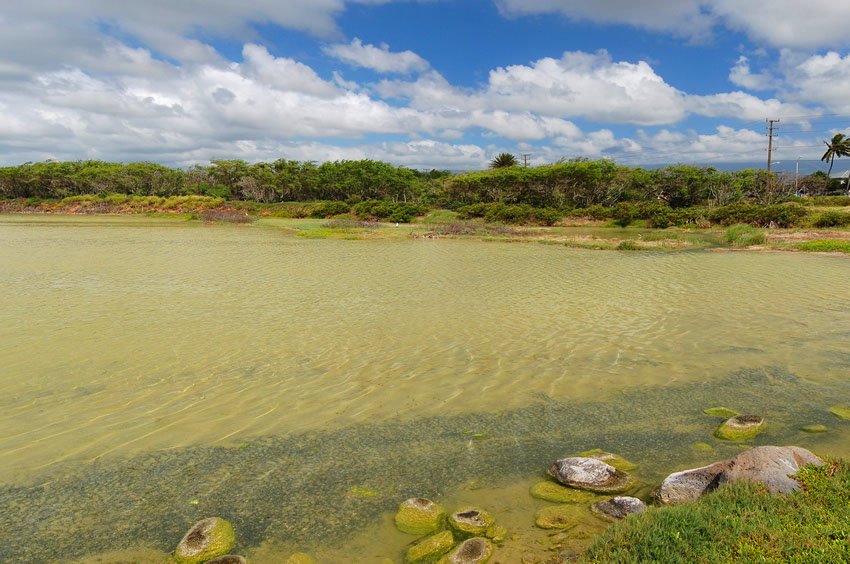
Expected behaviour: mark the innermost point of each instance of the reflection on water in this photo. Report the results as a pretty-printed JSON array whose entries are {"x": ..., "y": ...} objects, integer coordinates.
[{"x": 152, "y": 375}]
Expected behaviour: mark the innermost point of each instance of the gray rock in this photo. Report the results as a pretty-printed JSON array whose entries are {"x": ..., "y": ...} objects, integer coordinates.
[
  {"x": 771, "y": 466},
  {"x": 590, "y": 474},
  {"x": 688, "y": 485},
  {"x": 768, "y": 465},
  {"x": 618, "y": 507}
]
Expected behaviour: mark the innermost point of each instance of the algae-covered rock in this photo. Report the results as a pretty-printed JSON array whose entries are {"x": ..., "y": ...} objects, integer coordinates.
[
  {"x": 206, "y": 540},
  {"x": 719, "y": 411},
  {"x": 228, "y": 559},
  {"x": 557, "y": 517},
  {"x": 556, "y": 493},
  {"x": 814, "y": 428},
  {"x": 840, "y": 411},
  {"x": 430, "y": 549},
  {"x": 496, "y": 533},
  {"x": 610, "y": 459},
  {"x": 618, "y": 508},
  {"x": 471, "y": 521},
  {"x": 702, "y": 447},
  {"x": 471, "y": 551},
  {"x": 419, "y": 516},
  {"x": 741, "y": 428},
  {"x": 363, "y": 492},
  {"x": 590, "y": 474},
  {"x": 300, "y": 558}
]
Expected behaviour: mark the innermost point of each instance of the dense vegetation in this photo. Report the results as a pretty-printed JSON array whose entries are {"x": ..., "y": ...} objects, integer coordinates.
[
  {"x": 742, "y": 522},
  {"x": 600, "y": 190}
]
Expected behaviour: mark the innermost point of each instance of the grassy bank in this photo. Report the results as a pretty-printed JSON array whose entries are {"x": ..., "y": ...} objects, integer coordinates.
[
  {"x": 741, "y": 522},
  {"x": 819, "y": 226}
]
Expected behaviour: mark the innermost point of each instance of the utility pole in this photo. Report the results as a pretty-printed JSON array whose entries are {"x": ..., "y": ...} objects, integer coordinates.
[
  {"x": 525, "y": 159},
  {"x": 770, "y": 128}
]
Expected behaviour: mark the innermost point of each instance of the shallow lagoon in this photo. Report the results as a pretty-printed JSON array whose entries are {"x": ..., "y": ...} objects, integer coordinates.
[{"x": 153, "y": 372}]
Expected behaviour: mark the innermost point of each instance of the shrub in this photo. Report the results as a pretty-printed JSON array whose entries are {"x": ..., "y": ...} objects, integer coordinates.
[
  {"x": 322, "y": 210},
  {"x": 744, "y": 236},
  {"x": 781, "y": 215},
  {"x": 397, "y": 212},
  {"x": 516, "y": 215},
  {"x": 596, "y": 212},
  {"x": 833, "y": 219},
  {"x": 624, "y": 213},
  {"x": 835, "y": 201},
  {"x": 628, "y": 245}
]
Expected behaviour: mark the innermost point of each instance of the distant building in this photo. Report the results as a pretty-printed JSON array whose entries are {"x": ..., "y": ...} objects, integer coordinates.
[{"x": 844, "y": 177}]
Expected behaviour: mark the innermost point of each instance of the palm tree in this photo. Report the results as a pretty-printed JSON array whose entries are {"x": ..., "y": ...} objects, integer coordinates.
[
  {"x": 503, "y": 160},
  {"x": 839, "y": 146}
]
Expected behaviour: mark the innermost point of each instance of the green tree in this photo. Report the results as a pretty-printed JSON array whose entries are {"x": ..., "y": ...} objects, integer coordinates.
[
  {"x": 838, "y": 146},
  {"x": 503, "y": 160}
]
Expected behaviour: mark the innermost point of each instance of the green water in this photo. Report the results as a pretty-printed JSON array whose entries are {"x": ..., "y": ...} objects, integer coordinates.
[{"x": 154, "y": 372}]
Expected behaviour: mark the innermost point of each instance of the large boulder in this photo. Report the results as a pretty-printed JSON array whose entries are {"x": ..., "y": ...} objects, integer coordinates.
[
  {"x": 769, "y": 465},
  {"x": 590, "y": 474}
]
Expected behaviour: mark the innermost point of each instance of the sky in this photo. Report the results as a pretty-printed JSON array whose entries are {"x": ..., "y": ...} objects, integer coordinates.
[{"x": 443, "y": 84}]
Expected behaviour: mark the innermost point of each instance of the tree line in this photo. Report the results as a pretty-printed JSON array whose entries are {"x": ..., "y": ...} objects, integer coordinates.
[{"x": 578, "y": 183}]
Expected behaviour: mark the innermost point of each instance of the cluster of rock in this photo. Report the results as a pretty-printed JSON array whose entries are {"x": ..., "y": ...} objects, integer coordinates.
[
  {"x": 210, "y": 540},
  {"x": 466, "y": 536},
  {"x": 587, "y": 480}
]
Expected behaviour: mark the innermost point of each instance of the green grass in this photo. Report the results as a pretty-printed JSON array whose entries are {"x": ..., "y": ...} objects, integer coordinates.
[
  {"x": 744, "y": 236},
  {"x": 439, "y": 216},
  {"x": 741, "y": 522},
  {"x": 825, "y": 246}
]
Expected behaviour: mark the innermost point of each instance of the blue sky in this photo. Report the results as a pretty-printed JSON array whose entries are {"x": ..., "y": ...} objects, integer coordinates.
[{"x": 426, "y": 84}]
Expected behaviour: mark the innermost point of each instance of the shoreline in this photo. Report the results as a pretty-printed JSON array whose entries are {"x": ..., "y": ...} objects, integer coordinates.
[{"x": 575, "y": 233}]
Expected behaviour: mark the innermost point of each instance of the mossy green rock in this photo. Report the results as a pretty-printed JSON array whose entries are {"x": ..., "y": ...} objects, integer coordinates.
[
  {"x": 814, "y": 428},
  {"x": 496, "y": 533},
  {"x": 300, "y": 558},
  {"x": 840, "y": 411},
  {"x": 419, "y": 516},
  {"x": 556, "y": 493},
  {"x": 724, "y": 412},
  {"x": 471, "y": 551},
  {"x": 206, "y": 540},
  {"x": 702, "y": 447},
  {"x": 431, "y": 548},
  {"x": 471, "y": 522},
  {"x": 741, "y": 428},
  {"x": 557, "y": 517},
  {"x": 610, "y": 459}
]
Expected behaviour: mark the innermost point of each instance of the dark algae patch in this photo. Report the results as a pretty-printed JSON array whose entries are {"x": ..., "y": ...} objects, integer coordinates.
[{"x": 296, "y": 489}]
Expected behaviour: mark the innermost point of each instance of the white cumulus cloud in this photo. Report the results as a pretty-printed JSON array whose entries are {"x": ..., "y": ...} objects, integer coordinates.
[{"x": 377, "y": 58}]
